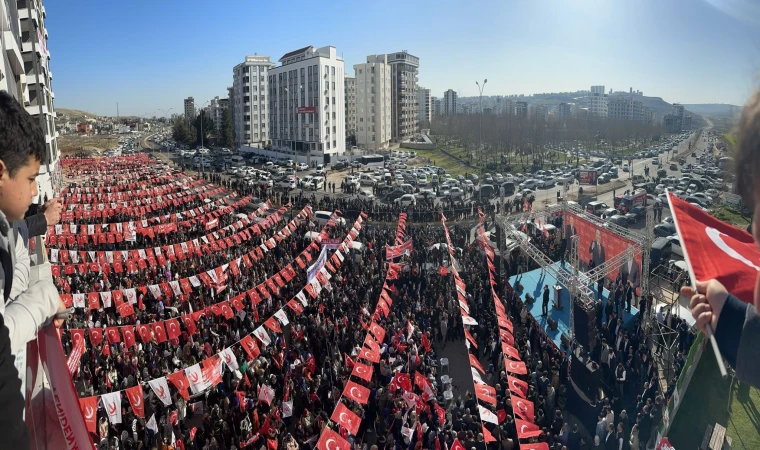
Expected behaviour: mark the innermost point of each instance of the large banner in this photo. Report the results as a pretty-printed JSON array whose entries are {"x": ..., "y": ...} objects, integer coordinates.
[
  {"x": 587, "y": 177},
  {"x": 598, "y": 245},
  {"x": 312, "y": 270}
]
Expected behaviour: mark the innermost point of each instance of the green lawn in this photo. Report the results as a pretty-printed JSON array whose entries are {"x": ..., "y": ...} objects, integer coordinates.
[
  {"x": 449, "y": 164},
  {"x": 706, "y": 402},
  {"x": 732, "y": 216}
]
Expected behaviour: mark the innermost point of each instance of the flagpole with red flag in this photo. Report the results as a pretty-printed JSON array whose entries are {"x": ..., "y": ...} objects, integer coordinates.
[{"x": 693, "y": 277}]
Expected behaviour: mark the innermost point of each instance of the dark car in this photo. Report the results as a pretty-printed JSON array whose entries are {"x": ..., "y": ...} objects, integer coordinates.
[
  {"x": 638, "y": 213},
  {"x": 618, "y": 220},
  {"x": 660, "y": 252},
  {"x": 696, "y": 200},
  {"x": 664, "y": 230},
  {"x": 394, "y": 194}
]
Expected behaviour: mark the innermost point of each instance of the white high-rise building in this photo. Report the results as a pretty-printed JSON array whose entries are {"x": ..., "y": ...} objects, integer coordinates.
[
  {"x": 437, "y": 106},
  {"x": 307, "y": 104},
  {"x": 216, "y": 109},
  {"x": 373, "y": 103},
  {"x": 29, "y": 79},
  {"x": 190, "y": 109},
  {"x": 250, "y": 87},
  {"x": 404, "y": 69},
  {"x": 350, "y": 102},
  {"x": 599, "y": 100},
  {"x": 450, "y": 103},
  {"x": 424, "y": 105}
]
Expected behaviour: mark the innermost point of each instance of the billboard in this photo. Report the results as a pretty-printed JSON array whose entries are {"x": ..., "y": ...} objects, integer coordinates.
[
  {"x": 598, "y": 244},
  {"x": 587, "y": 177},
  {"x": 307, "y": 109}
]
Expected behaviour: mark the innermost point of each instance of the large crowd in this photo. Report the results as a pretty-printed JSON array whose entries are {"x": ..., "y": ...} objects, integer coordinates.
[{"x": 231, "y": 319}]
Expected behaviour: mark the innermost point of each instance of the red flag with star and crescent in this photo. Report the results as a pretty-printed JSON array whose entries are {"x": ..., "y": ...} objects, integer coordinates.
[
  {"x": 330, "y": 440},
  {"x": 346, "y": 418},
  {"x": 356, "y": 392}
]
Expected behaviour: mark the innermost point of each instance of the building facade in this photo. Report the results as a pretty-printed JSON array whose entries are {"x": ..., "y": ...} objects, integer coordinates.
[
  {"x": 450, "y": 103},
  {"x": 190, "y": 109},
  {"x": 424, "y": 105},
  {"x": 29, "y": 80},
  {"x": 216, "y": 109},
  {"x": 564, "y": 111},
  {"x": 373, "y": 103},
  {"x": 404, "y": 115},
  {"x": 250, "y": 102},
  {"x": 307, "y": 104},
  {"x": 627, "y": 108},
  {"x": 521, "y": 109},
  {"x": 350, "y": 102},
  {"x": 437, "y": 106},
  {"x": 598, "y": 105}
]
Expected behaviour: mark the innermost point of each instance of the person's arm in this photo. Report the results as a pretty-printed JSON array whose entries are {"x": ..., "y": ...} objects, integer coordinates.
[
  {"x": 37, "y": 224},
  {"x": 21, "y": 269},
  {"x": 738, "y": 345},
  {"x": 12, "y": 426},
  {"x": 25, "y": 315}
]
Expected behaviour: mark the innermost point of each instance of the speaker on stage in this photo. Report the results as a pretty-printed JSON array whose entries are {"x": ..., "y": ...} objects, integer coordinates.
[{"x": 584, "y": 324}]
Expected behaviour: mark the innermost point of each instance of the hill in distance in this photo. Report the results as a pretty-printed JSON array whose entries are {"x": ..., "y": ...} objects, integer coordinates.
[
  {"x": 74, "y": 113},
  {"x": 714, "y": 109}
]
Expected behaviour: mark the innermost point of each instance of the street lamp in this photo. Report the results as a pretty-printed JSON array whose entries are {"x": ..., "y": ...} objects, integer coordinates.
[{"x": 480, "y": 135}]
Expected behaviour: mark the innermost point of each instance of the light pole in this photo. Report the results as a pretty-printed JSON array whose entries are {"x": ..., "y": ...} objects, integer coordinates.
[{"x": 480, "y": 137}]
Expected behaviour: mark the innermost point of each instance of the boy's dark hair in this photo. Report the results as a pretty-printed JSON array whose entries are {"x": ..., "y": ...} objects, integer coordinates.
[
  {"x": 748, "y": 151},
  {"x": 21, "y": 137}
]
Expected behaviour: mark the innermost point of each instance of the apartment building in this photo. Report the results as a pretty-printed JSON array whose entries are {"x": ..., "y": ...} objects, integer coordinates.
[
  {"x": 373, "y": 103},
  {"x": 250, "y": 105},
  {"x": 190, "y": 109},
  {"x": 424, "y": 105},
  {"x": 450, "y": 103},
  {"x": 350, "y": 102},
  {"x": 437, "y": 106},
  {"x": 599, "y": 102},
  {"x": 307, "y": 104},
  {"x": 627, "y": 108},
  {"x": 216, "y": 109},
  {"x": 521, "y": 109},
  {"x": 404, "y": 115}
]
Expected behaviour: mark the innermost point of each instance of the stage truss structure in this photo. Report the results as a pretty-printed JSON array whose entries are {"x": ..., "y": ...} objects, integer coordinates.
[{"x": 576, "y": 281}]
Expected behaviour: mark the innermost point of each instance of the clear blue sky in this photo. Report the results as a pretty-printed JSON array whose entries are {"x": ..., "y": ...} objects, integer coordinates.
[{"x": 152, "y": 54}]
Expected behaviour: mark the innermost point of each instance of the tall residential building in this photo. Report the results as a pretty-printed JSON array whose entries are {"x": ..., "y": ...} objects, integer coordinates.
[
  {"x": 450, "y": 103},
  {"x": 23, "y": 27},
  {"x": 564, "y": 111},
  {"x": 250, "y": 86},
  {"x": 373, "y": 102},
  {"x": 506, "y": 107},
  {"x": 404, "y": 116},
  {"x": 437, "y": 106},
  {"x": 216, "y": 109},
  {"x": 231, "y": 103},
  {"x": 538, "y": 111},
  {"x": 627, "y": 108},
  {"x": 424, "y": 105},
  {"x": 599, "y": 100},
  {"x": 190, "y": 109},
  {"x": 350, "y": 93},
  {"x": 521, "y": 109},
  {"x": 306, "y": 98}
]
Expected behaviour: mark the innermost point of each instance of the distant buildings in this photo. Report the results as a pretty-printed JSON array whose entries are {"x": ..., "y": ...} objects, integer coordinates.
[
  {"x": 307, "y": 104},
  {"x": 677, "y": 120},
  {"x": 350, "y": 105},
  {"x": 627, "y": 108},
  {"x": 189, "y": 109},
  {"x": 404, "y": 114},
  {"x": 521, "y": 109},
  {"x": 424, "y": 105},
  {"x": 373, "y": 102},
  {"x": 25, "y": 74},
  {"x": 437, "y": 106},
  {"x": 599, "y": 100},
  {"x": 564, "y": 111},
  {"x": 216, "y": 111},
  {"x": 250, "y": 86},
  {"x": 450, "y": 103},
  {"x": 538, "y": 111}
]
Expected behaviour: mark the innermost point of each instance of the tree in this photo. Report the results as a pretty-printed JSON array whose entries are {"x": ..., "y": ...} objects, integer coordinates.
[
  {"x": 225, "y": 134},
  {"x": 203, "y": 123},
  {"x": 182, "y": 132}
]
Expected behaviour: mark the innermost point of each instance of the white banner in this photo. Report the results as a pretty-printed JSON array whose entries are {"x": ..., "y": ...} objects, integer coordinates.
[{"x": 312, "y": 270}]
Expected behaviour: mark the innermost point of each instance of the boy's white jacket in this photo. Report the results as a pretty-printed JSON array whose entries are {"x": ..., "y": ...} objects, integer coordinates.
[{"x": 29, "y": 306}]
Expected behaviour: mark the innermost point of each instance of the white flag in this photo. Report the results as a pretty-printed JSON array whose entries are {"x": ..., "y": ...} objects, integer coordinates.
[
  {"x": 106, "y": 298},
  {"x": 487, "y": 415},
  {"x": 194, "y": 375},
  {"x": 79, "y": 300},
  {"x": 263, "y": 336},
  {"x": 161, "y": 389},
  {"x": 152, "y": 425},
  {"x": 287, "y": 409},
  {"x": 229, "y": 359},
  {"x": 112, "y": 403},
  {"x": 282, "y": 317}
]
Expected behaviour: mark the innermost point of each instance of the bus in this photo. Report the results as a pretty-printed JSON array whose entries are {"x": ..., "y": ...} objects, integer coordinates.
[{"x": 371, "y": 162}]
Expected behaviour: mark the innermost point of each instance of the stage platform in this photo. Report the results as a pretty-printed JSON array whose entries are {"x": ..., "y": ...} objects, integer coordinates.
[{"x": 533, "y": 283}]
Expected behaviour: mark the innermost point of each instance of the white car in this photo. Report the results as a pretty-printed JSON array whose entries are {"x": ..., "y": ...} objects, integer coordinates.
[
  {"x": 454, "y": 192},
  {"x": 406, "y": 200},
  {"x": 365, "y": 194},
  {"x": 352, "y": 180},
  {"x": 322, "y": 217},
  {"x": 713, "y": 193},
  {"x": 302, "y": 166},
  {"x": 704, "y": 197},
  {"x": 288, "y": 183},
  {"x": 529, "y": 184},
  {"x": 675, "y": 245}
]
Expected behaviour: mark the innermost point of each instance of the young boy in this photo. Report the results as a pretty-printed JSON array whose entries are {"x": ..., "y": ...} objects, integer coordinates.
[
  {"x": 22, "y": 149},
  {"x": 737, "y": 324}
]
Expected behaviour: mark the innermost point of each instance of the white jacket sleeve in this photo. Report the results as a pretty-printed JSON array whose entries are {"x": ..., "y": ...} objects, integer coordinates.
[
  {"x": 20, "y": 269},
  {"x": 33, "y": 308}
]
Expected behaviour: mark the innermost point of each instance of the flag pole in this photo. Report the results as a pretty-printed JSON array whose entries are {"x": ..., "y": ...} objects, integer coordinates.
[{"x": 708, "y": 326}]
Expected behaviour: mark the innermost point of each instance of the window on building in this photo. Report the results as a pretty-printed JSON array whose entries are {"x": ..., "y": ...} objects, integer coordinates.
[
  {"x": 333, "y": 70},
  {"x": 335, "y": 144}
]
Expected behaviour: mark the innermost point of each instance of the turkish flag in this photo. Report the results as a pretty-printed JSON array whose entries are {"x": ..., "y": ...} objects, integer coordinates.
[
  {"x": 346, "y": 418},
  {"x": 487, "y": 434},
  {"x": 145, "y": 334},
  {"x": 535, "y": 446},
  {"x": 250, "y": 346},
  {"x": 403, "y": 380},
  {"x": 523, "y": 408},
  {"x": 714, "y": 249},
  {"x": 363, "y": 371},
  {"x": 112, "y": 333},
  {"x": 96, "y": 336},
  {"x": 377, "y": 331},
  {"x": 158, "y": 331},
  {"x": 172, "y": 328},
  {"x": 370, "y": 355},
  {"x": 476, "y": 364},
  {"x": 456, "y": 445},
  {"x": 273, "y": 325},
  {"x": 187, "y": 319},
  {"x": 179, "y": 380},
  {"x": 517, "y": 367},
  {"x": 129, "y": 335},
  {"x": 89, "y": 407},
  {"x": 517, "y": 386},
  {"x": 330, "y": 440},
  {"x": 510, "y": 351},
  {"x": 485, "y": 393},
  {"x": 356, "y": 392},
  {"x": 135, "y": 396},
  {"x": 470, "y": 339},
  {"x": 526, "y": 430}
]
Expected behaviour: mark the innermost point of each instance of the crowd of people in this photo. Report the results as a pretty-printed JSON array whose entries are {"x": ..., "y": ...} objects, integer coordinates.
[{"x": 286, "y": 391}]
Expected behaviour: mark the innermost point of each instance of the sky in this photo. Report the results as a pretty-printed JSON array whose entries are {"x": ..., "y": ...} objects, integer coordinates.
[{"x": 150, "y": 55}]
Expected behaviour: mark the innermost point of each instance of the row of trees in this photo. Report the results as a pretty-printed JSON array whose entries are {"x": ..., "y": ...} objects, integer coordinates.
[
  {"x": 526, "y": 141},
  {"x": 189, "y": 133}
]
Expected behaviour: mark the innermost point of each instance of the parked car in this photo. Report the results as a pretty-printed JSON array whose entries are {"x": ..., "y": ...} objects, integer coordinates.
[
  {"x": 675, "y": 245},
  {"x": 618, "y": 220},
  {"x": 365, "y": 194},
  {"x": 664, "y": 230},
  {"x": 406, "y": 200}
]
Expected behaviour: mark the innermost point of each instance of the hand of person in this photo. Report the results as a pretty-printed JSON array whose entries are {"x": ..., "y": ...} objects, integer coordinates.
[
  {"x": 706, "y": 302},
  {"x": 61, "y": 307},
  {"x": 52, "y": 210}
]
